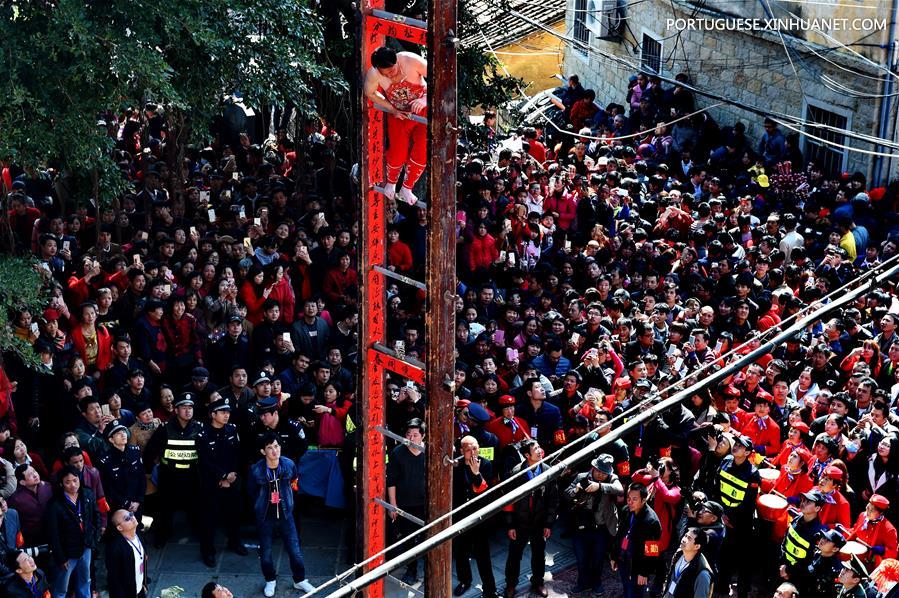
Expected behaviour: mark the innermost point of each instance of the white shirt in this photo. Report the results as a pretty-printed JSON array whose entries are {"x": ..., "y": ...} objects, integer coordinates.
[{"x": 137, "y": 548}]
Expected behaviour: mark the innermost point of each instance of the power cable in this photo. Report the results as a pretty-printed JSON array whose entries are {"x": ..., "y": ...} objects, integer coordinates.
[
  {"x": 622, "y": 416},
  {"x": 549, "y": 476},
  {"x": 748, "y": 107}
]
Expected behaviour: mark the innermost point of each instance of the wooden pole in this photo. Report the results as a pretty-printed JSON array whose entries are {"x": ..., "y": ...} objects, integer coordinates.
[{"x": 441, "y": 281}]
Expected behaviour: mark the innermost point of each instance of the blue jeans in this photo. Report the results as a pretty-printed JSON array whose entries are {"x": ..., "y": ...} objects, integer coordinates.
[
  {"x": 590, "y": 549},
  {"x": 291, "y": 541},
  {"x": 80, "y": 568}
]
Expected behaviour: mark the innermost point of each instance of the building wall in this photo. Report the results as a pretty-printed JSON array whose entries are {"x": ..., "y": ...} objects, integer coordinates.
[
  {"x": 536, "y": 59},
  {"x": 751, "y": 68}
]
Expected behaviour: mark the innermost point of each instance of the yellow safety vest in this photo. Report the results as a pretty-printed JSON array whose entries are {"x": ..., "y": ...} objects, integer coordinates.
[
  {"x": 733, "y": 489},
  {"x": 795, "y": 546},
  {"x": 181, "y": 454}
]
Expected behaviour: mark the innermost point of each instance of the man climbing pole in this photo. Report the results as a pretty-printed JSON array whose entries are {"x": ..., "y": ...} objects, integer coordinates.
[{"x": 396, "y": 82}]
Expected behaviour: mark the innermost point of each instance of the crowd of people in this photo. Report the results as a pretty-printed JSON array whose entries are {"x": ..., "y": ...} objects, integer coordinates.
[
  {"x": 617, "y": 253},
  {"x": 201, "y": 336}
]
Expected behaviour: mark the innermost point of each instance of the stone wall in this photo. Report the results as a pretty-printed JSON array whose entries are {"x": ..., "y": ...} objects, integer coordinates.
[{"x": 748, "y": 67}]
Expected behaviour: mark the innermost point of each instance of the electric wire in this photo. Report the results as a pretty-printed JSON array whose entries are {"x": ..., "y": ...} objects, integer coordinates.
[
  {"x": 748, "y": 107},
  {"x": 872, "y": 274},
  {"x": 622, "y": 416}
]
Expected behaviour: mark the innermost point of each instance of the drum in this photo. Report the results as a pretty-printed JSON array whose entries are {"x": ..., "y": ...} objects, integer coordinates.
[
  {"x": 769, "y": 479},
  {"x": 853, "y": 548},
  {"x": 771, "y": 507}
]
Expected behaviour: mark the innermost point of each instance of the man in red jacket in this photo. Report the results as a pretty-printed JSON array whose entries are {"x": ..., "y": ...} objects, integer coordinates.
[{"x": 873, "y": 529}]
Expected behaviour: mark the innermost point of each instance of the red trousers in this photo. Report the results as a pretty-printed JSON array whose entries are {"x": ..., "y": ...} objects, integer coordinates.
[{"x": 407, "y": 145}]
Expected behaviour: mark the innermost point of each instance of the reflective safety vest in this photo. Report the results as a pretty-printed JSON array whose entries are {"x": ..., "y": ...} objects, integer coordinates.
[
  {"x": 733, "y": 489},
  {"x": 180, "y": 453},
  {"x": 795, "y": 546}
]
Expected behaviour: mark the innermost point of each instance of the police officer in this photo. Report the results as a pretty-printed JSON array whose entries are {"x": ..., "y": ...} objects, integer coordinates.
[
  {"x": 824, "y": 567},
  {"x": 291, "y": 435},
  {"x": 851, "y": 577},
  {"x": 122, "y": 471},
  {"x": 737, "y": 486},
  {"x": 174, "y": 447},
  {"x": 594, "y": 507},
  {"x": 797, "y": 549},
  {"x": 218, "y": 447}
]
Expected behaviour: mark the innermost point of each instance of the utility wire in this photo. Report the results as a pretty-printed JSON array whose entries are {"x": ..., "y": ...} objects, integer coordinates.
[
  {"x": 705, "y": 368},
  {"x": 748, "y": 107}
]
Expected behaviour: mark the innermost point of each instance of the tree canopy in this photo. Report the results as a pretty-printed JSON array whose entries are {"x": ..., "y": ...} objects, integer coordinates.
[{"x": 67, "y": 62}]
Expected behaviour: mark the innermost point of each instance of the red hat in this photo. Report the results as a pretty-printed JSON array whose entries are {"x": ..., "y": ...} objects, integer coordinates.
[
  {"x": 834, "y": 473},
  {"x": 51, "y": 314},
  {"x": 881, "y": 503},
  {"x": 622, "y": 383},
  {"x": 762, "y": 397},
  {"x": 801, "y": 426},
  {"x": 731, "y": 392},
  {"x": 462, "y": 403},
  {"x": 507, "y": 400}
]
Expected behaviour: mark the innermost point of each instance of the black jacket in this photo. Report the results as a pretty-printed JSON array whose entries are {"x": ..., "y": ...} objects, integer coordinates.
[
  {"x": 536, "y": 510},
  {"x": 122, "y": 473},
  {"x": 466, "y": 485},
  {"x": 17, "y": 588},
  {"x": 641, "y": 550},
  {"x": 685, "y": 584},
  {"x": 120, "y": 567},
  {"x": 69, "y": 533}
]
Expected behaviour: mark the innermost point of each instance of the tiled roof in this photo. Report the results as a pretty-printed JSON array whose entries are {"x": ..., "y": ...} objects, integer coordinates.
[{"x": 502, "y": 29}]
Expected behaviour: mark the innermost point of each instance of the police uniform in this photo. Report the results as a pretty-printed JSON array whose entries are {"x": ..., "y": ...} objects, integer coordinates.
[
  {"x": 736, "y": 490},
  {"x": 290, "y": 433},
  {"x": 798, "y": 546},
  {"x": 219, "y": 455},
  {"x": 122, "y": 474},
  {"x": 818, "y": 578},
  {"x": 179, "y": 481},
  {"x": 855, "y": 565}
]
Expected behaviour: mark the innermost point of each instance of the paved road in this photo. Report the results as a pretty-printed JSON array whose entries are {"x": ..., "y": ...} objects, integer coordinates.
[{"x": 325, "y": 552}]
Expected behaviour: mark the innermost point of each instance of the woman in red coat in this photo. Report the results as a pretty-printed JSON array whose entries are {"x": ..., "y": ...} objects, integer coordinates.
[
  {"x": 282, "y": 291},
  {"x": 482, "y": 250},
  {"x": 92, "y": 341},
  {"x": 253, "y": 293}
]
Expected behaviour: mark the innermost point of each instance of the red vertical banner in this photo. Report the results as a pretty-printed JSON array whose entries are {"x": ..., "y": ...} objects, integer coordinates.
[{"x": 373, "y": 474}]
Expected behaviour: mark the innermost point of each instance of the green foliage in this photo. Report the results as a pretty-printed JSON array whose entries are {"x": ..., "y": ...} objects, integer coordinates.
[
  {"x": 68, "y": 61},
  {"x": 481, "y": 80},
  {"x": 21, "y": 288}
]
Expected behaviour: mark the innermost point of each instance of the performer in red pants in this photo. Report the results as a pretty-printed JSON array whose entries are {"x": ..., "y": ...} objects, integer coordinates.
[{"x": 396, "y": 82}]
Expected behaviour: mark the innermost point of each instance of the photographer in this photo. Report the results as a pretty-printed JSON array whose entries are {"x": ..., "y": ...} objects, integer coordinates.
[{"x": 593, "y": 496}]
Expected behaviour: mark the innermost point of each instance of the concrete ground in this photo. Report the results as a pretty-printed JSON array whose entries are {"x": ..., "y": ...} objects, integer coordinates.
[{"x": 323, "y": 534}]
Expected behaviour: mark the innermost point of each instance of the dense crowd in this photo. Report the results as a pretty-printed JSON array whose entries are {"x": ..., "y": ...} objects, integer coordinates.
[
  {"x": 609, "y": 256},
  {"x": 202, "y": 336}
]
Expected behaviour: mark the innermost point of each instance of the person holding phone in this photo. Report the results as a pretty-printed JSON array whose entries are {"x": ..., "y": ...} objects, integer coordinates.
[{"x": 471, "y": 477}]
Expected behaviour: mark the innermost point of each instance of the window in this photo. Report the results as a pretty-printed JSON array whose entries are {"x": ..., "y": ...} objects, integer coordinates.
[
  {"x": 651, "y": 53},
  {"x": 831, "y": 159},
  {"x": 581, "y": 32}
]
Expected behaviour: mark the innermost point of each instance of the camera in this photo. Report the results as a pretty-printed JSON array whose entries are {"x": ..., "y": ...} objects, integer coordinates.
[{"x": 36, "y": 551}]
